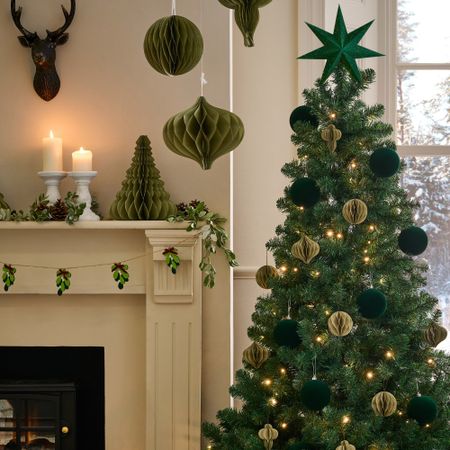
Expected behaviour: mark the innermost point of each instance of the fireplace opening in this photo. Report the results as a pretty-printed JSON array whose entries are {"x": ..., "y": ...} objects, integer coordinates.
[{"x": 52, "y": 398}]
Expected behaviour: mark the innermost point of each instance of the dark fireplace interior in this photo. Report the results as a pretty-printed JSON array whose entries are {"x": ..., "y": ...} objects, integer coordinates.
[{"x": 52, "y": 398}]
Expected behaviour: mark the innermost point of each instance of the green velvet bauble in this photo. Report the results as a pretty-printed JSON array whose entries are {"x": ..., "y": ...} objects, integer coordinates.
[
  {"x": 303, "y": 114},
  {"x": 285, "y": 333},
  {"x": 413, "y": 241},
  {"x": 384, "y": 162},
  {"x": 173, "y": 45},
  {"x": 315, "y": 395},
  {"x": 246, "y": 15},
  {"x": 304, "y": 192},
  {"x": 372, "y": 303},
  {"x": 298, "y": 445},
  {"x": 423, "y": 409},
  {"x": 142, "y": 196},
  {"x": 203, "y": 133}
]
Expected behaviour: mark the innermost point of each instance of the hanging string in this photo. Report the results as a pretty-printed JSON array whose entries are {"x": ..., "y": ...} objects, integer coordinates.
[
  {"x": 314, "y": 367},
  {"x": 418, "y": 390},
  {"x": 203, "y": 81},
  {"x": 267, "y": 258},
  {"x": 289, "y": 309},
  {"x": 174, "y": 7}
]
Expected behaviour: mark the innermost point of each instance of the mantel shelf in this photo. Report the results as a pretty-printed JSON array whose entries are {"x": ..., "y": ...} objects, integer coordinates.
[{"x": 101, "y": 225}]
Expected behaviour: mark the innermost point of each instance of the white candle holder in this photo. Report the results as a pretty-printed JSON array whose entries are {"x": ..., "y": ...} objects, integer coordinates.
[
  {"x": 52, "y": 181},
  {"x": 83, "y": 180}
]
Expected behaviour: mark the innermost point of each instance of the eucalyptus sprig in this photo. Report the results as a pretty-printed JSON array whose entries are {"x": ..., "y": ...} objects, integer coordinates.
[
  {"x": 172, "y": 259},
  {"x": 63, "y": 277},
  {"x": 213, "y": 234},
  {"x": 120, "y": 274},
  {"x": 8, "y": 276}
]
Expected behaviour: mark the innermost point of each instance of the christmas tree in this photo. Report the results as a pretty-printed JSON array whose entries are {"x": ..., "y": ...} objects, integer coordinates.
[
  {"x": 142, "y": 196},
  {"x": 343, "y": 352}
]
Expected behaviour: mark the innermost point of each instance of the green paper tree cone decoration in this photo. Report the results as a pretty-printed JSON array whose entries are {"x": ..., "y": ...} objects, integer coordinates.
[
  {"x": 203, "y": 133},
  {"x": 246, "y": 14},
  {"x": 173, "y": 45},
  {"x": 142, "y": 196}
]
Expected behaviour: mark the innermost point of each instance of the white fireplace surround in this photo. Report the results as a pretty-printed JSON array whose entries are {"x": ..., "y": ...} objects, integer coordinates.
[{"x": 173, "y": 304}]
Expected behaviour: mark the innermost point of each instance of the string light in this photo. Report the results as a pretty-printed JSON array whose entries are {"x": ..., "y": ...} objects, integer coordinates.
[
  {"x": 333, "y": 116},
  {"x": 330, "y": 233},
  {"x": 315, "y": 273},
  {"x": 283, "y": 371},
  {"x": 345, "y": 420},
  {"x": 353, "y": 164},
  {"x": 370, "y": 375},
  {"x": 371, "y": 227},
  {"x": 369, "y": 242},
  {"x": 209, "y": 447},
  {"x": 319, "y": 339},
  {"x": 302, "y": 208},
  {"x": 431, "y": 362},
  {"x": 427, "y": 425},
  {"x": 273, "y": 401},
  {"x": 339, "y": 236},
  {"x": 284, "y": 425},
  {"x": 366, "y": 251},
  {"x": 400, "y": 413},
  {"x": 267, "y": 382},
  {"x": 327, "y": 312},
  {"x": 295, "y": 269},
  {"x": 389, "y": 354},
  {"x": 310, "y": 306},
  {"x": 283, "y": 269},
  {"x": 366, "y": 259}
]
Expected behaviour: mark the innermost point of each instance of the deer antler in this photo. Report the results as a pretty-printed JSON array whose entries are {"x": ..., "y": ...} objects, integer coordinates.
[
  {"x": 69, "y": 18},
  {"x": 16, "y": 15}
]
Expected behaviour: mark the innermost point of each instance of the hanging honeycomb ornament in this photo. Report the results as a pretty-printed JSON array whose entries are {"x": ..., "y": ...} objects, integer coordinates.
[
  {"x": 345, "y": 445},
  {"x": 384, "y": 404},
  {"x": 305, "y": 249},
  {"x": 331, "y": 135},
  {"x": 264, "y": 274},
  {"x": 173, "y": 45},
  {"x": 355, "y": 211},
  {"x": 340, "y": 324},
  {"x": 246, "y": 15},
  {"x": 203, "y": 133},
  {"x": 435, "y": 334},
  {"x": 255, "y": 355},
  {"x": 268, "y": 434}
]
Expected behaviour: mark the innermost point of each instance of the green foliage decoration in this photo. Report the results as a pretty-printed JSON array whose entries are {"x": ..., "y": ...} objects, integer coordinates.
[
  {"x": 246, "y": 14},
  {"x": 63, "y": 277},
  {"x": 8, "y": 276},
  {"x": 172, "y": 259},
  {"x": 142, "y": 196},
  {"x": 213, "y": 235},
  {"x": 173, "y": 45},
  {"x": 203, "y": 133},
  {"x": 120, "y": 274},
  {"x": 3, "y": 203}
]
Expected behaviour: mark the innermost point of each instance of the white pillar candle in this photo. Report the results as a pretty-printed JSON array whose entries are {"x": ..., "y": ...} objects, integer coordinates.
[
  {"x": 52, "y": 154},
  {"x": 82, "y": 160}
]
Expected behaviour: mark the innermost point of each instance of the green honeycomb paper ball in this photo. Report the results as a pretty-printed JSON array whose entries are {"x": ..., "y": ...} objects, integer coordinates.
[
  {"x": 303, "y": 114},
  {"x": 372, "y": 303},
  {"x": 423, "y": 409},
  {"x": 203, "y": 133},
  {"x": 285, "y": 333},
  {"x": 384, "y": 162},
  {"x": 246, "y": 15},
  {"x": 315, "y": 395},
  {"x": 304, "y": 192},
  {"x": 413, "y": 241},
  {"x": 173, "y": 45},
  {"x": 142, "y": 196}
]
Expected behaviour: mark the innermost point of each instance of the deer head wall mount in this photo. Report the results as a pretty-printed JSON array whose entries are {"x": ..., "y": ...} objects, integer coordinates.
[{"x": 43, "y": 51}]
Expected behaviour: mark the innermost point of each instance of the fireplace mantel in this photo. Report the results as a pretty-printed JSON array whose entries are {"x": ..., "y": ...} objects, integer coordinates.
[{"x": 173, "y": 302}]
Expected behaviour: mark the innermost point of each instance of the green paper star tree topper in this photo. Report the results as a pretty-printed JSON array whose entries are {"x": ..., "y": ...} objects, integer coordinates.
[{"x": 341, "y": 47}]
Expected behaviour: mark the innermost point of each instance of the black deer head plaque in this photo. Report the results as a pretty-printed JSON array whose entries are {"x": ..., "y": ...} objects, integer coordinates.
[{"x": 43, "y": 51}]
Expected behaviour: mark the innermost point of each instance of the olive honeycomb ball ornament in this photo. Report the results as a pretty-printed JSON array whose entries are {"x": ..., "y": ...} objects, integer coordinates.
[
  {"x": 340, "y": 324},
  {"x": 304, "y": 192},
  {"x": 435, "y": 334},
  {"x": 285, "y": 333},
  {"x": 384, "y": 162},
  {"x": 423, "y": 409},
  {"x": 303, "y": 114},
  {"x": 355, "y": 211},
  {"x": 413, "y": 241},
  {"x": 315, "y": 395},
  {"x": 305, "y": 249},
  {"x": 384, "y": 404},
  {"x": 372, "y": 303},
  {"x": 345, "y": 445},
  {"x": 264, "y": 275},
  {"x": 255, "y": 355},
  {"x": 173, "y": 45}
]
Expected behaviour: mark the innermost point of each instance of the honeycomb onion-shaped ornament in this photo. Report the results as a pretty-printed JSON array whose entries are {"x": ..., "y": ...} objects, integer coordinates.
[
  {"x": 255, "y": 355},
  {"x": 173, "y": 45},
  {"x": 142, "y": 196},
  {"x": 246, "y": 15},
  {"x": 264, "y": 274},
  {"x": 305, "y": 249},
  {"x": 345, "y": 445},
  {"x": 203, "y": 133},
  {"x": 384, "y": 404},
  {"x": 355, "y": 211},
  {"x": 435, "y": 334},
  {"x": 268, "y": 434},
  {"x": 340, "y": 324}
]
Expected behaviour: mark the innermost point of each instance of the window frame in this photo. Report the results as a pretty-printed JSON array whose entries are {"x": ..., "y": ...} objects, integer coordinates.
[{"x": 390, "y": 66}]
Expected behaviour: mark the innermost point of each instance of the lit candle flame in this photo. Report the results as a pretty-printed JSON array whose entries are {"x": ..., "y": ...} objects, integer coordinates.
[{"x": 51, "y": 134}]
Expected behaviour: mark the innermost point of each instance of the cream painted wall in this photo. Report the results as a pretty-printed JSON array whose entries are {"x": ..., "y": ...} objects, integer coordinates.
[{"x": 109, "y": 96}]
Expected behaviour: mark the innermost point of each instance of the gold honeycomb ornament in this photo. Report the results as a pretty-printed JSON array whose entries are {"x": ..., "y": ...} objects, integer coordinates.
[
  {"x": 355, "y": 211},
  {"x": 268, "y": 434},
  {"x": 384, "y": 404},
  {"x": 264, "y": 274},
  {"x": 435, "y": 334},
  {"x": 345, "y": 445},
  {"x": 305, "y": 249},
  {"x": 340, "y": 324},
  {"x": 255, "y": 355},
  {"x": 331, "y": 135}
]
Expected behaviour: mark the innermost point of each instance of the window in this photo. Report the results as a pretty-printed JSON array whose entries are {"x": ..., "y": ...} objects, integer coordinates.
[{"x": 417, "y": 95}]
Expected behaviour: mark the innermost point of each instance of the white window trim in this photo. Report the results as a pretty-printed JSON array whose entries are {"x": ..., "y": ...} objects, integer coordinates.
[{"x": 387, "y": 84}]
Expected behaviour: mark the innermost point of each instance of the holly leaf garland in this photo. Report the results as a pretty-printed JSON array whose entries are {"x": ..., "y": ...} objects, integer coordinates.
[
  {"x": 8, "y": 276},
  {"x": 120, "y": 274},
  {"x": 63, "y": 277},
  {"x": 172, "y": 259}
]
